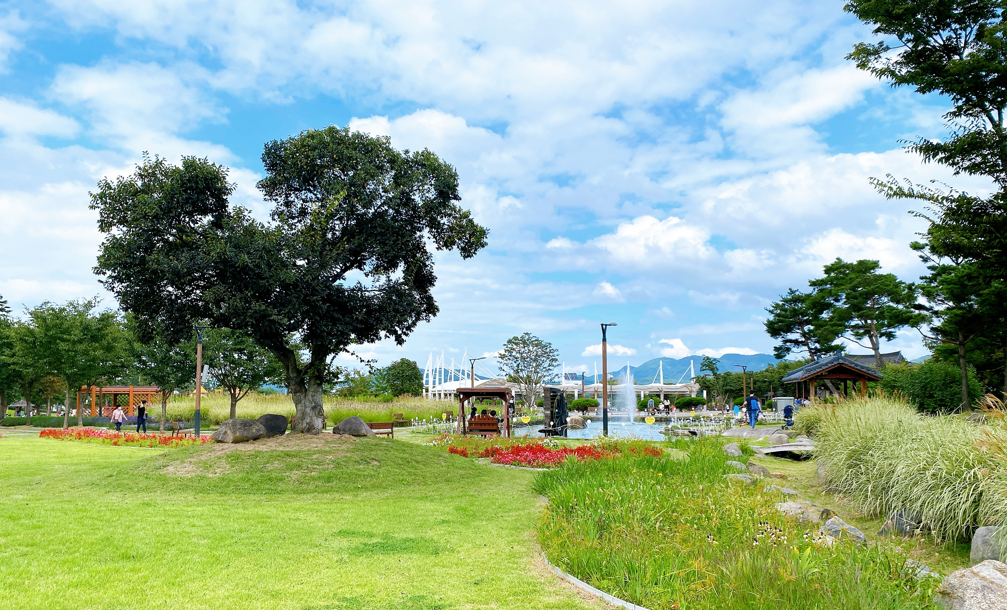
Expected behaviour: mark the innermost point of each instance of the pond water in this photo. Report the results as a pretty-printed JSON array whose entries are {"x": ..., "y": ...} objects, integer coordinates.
[{"x": 618, "y": 428}]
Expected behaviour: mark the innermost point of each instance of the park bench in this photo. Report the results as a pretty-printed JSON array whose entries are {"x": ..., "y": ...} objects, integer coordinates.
[
  {"x": 178, "y": 429},
  {"x": 380, "y": 428},
  {"x": 484, "y": 426},
  {"x": 399, "y": 419}
]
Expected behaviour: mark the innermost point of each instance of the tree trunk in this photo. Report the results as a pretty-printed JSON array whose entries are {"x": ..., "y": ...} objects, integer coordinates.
[
  {"x": 80, "y": 417},
  {"x": 3, "y": 404},
  {"x": 164, "y": 408},
  {"x": 309, "y": 414},
  {"x": 965, "y": 373},
  {"x": 234, "y": 402},
  {"x": 876, "y": 346},
  {"x": 66, "y": 412}
]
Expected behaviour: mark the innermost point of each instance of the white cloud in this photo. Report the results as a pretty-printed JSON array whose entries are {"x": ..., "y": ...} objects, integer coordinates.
[
  {"x": 10, "y": 24},
  {"x": 26, "y": 119},
  {"x": 664, "y": 313},
  {"x": 608, "y": 292},
  {"x": 678, "y": 349},
  {"x": 717, "y": 353},
  {"x": 613, "y": 350}
]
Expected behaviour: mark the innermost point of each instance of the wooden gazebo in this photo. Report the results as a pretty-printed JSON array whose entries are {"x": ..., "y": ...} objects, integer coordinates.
[
  {"x": 504, "y": 394},
  {"x": 836, "y": 368},
  {"x": 125, "y": 396}
]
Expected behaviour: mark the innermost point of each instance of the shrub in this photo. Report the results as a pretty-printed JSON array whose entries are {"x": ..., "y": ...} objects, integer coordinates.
[
  {"x": 13, "y": 421},
  {"x": 931, "y": 387},
  {"x": 583, "y": 404},
  {"x": 689, "y": 402},
  {"x": 808, "y": 418},
  {"x": 944, "y": 470}
]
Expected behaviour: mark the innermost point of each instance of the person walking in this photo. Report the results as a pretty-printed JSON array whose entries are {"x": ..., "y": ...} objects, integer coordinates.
[
  {"x": 141, "y": 416},
  {"x": 117, "y": 418},
  {"x": 753, "y": 409}
]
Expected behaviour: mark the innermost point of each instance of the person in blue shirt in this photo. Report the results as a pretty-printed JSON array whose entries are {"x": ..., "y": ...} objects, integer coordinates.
[
  {"x": 788, "y": 415},
  {"x": 753, "y": 409}
]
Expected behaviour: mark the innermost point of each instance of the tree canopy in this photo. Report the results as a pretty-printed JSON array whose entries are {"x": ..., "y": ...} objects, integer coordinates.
[
  {"x": 529, "y": 362},
  {"x": 346, "y": 259}
]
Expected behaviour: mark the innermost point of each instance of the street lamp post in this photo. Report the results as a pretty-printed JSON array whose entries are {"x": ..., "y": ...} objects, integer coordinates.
[
  {"x": 199, "y": 374},
  {"x": 472, "y": 371},
  {"x": 604, "y": 377},
  {"x": 744, "y": 382}
]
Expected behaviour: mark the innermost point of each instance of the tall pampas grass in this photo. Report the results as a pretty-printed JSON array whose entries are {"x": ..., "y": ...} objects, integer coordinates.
[{"x": 947, "y": 471}]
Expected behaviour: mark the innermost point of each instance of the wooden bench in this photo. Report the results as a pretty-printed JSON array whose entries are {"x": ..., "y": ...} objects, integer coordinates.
[
  {"x": 484, "y": 426},
  {"x": 386, "y": 428},
  {"x": 177, "y": 429}
]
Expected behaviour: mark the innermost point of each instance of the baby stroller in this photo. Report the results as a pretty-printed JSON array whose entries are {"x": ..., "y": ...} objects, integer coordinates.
[{"x": 788, "y": 417}]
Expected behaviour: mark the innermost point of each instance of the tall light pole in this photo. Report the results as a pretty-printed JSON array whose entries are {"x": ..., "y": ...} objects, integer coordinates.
[
  {"x": 199, "y": 373},
  {"x": 472, "y": 371},
  {"x": 744, "y": 383},
  {"x": 604, "y": 377}
]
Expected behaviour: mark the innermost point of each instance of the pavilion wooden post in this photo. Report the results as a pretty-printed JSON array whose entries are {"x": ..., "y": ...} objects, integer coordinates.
[
  {"x": 461, "y": 414},
  {"x": 94, "y": 402},
  {"x": 78, "y": 401},
  {"x": 812, "y": 390},
  {"x": 130, "y": 400},
  {"x": 863, "y": 387}
]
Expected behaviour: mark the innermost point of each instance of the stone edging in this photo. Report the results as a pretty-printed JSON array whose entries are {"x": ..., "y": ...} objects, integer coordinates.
[{"x": 580, "y": 584}]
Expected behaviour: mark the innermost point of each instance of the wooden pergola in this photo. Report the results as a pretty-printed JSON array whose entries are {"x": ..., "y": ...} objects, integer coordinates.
[
  {"x": 126, "y": 396},
  {"x": 836, "y": 368},
  {"x": 505, "y": 394}
]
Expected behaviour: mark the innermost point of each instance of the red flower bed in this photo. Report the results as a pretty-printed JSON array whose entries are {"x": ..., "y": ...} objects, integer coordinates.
[
  {"x": 462, "y": 451},
  {"x": 129, "y": 439},
  {"x": 538, "y": 456}
]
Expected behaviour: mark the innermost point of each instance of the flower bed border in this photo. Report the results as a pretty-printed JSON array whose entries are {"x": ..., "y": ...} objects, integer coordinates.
[{"x": 580, "y": 584}]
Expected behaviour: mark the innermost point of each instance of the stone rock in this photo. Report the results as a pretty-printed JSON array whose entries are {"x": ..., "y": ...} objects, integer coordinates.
[
  {"x": 732, "y": 449},
  {"x": 784, "y": 490},
  {"x": 802, "y": 438},
  {"x": 735, "y": 465},
  {"x": 916, "y": 569},
  {"x": 820, "y": 474},
  {"x": 758, "y": 470},
  {"x": 778, "y": 439},
  {"x": 740, "y": 477},
  {"x": 275, "y": 425},
  {"x": 239, "y": 431},
  {"x": 759, "y": 452},
  {"x": 778, "y": 475},
  {"x": 981, "y": 587},
  {"x": 901, "y": 523},
  {"x": 837, "y": 528},
  {"x": 353, "y": 426},
  {"x": 826, "y": 514},
  {"x": 790, "y": 433},
  {"x": 575, "y": 422},
  {"x": 799, "y": 510},
  {"x": 984, "y": 545}
]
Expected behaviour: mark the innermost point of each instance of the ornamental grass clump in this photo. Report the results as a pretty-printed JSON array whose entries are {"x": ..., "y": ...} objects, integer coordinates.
[
  {"x": 945, "y": 470},
  {"x": 675, "y": 533}
]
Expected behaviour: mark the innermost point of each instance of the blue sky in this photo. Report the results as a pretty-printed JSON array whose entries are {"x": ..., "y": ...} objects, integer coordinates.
[{"x": 670, "y": 166}]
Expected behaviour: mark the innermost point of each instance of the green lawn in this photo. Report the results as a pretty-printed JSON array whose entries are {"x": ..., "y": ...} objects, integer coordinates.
[{"x": 371, "y": 523}]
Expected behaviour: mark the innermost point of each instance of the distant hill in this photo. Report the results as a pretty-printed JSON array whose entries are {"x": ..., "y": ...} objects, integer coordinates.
[{"x": 675, "y": 369}]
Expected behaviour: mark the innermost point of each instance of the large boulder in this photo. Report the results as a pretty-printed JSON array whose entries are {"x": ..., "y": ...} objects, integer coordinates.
[
  {"x": 353, "y": 426},
  {"x": 984, "y": 545},
  {"x": 783, "y": 490},
  {"x": 758, "y": 469},
  {"x": 239, "y": 431},
  {"x": 275, "y": 425},
  {"x": 981, "y": 587},
  {"x": 778, "y": 439},
  {"x": 735, "y": 465},
  {"x": 835, "y": 528},
  {"x": 732, "y": 449},
  {"x": 740, "y": 477},
  {"x": 575, "y": 422},
  {"x": 798, "y": 510}
]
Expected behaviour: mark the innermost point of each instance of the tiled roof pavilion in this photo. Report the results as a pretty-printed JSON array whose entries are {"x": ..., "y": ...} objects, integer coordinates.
[{"x": 833, "y": 367}]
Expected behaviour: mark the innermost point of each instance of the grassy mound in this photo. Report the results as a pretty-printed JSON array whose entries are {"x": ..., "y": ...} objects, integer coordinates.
[
  {"x": 289, "y": 523},
  {"x": 667, "y": 533},
  {"x": 948, "y": 471}
]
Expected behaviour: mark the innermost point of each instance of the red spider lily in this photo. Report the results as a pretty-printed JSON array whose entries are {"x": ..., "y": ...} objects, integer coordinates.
[
  {"x": 130, "y": 439},
  {"x": 462, "y": 451}
]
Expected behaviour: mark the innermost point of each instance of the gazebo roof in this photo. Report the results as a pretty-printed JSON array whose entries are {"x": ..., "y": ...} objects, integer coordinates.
[
  {"x": 823, "y": 368},
  {"x": 466, "y": 393}
]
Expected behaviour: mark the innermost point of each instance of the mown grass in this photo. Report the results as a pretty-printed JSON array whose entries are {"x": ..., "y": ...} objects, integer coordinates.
[
  {"x": 944, "y": 470},
  {"x": 675, "y": 534},
  {"x": 216, "y": 408},
  {"x": 373, "y": 523}
]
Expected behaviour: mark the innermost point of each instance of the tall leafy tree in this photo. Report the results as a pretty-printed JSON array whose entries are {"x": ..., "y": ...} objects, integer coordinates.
[
  {"x": 529, "y": 362},
  {"x": 865, "y": 305},
  {"x": 796, "y": 322},
  {"x": 80, "y": 346},
  {"x": 346, "y": 259},
  {"x": 28, "y": 367},
  {"x": 400, "y": 378},
  {"x": 170, "y": 366},
  {"x": 8, "y": 379},
  {"x": 237, "y": 363}
]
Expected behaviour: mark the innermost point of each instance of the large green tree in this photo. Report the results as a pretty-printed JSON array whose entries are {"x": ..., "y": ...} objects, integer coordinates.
[
  {"x": 400, "y": 378},
  {"x": 80, "y": 346},
  {"x": 865, "y": 305},
  {"x": 346, "y": 259},
  {"x": 796, "y": 322},
  {"x": 28, "y": 366},
  {"x": 8, "y": 380},
  {"x": 237, "y": 363},
  {"x": 529, "y": 362}
]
